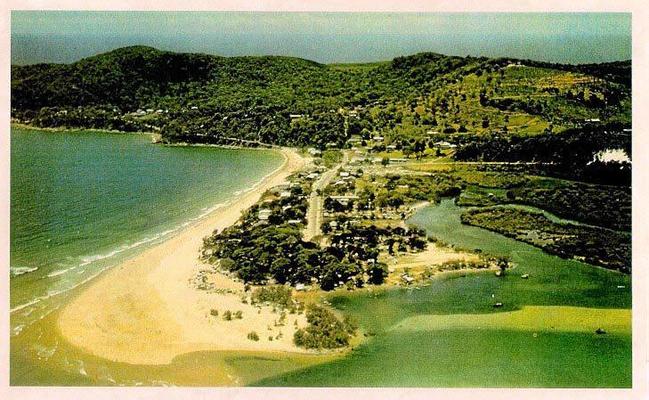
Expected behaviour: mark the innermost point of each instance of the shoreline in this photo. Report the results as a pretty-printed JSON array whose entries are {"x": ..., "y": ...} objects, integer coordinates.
[
  {"x": 21, "y": 125},
  {"x": 148, "y": 304}
]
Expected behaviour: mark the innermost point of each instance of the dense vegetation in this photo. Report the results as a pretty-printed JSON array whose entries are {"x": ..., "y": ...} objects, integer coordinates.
[
  {"x": 601, "y": 205},
  {"x": 597, "y": 246},
  {"x": 277, "y": 295},
  {"x": 606, "y": 206},
  {"x": 325, "y": 330},
  {"x": 259, "y": 252},
  {"x": 291, "y": 101},
  {"x": 570, "y": 154}
]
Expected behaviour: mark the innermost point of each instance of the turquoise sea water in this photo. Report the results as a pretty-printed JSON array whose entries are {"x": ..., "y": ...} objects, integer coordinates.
[{"x": 82, "y": 201}]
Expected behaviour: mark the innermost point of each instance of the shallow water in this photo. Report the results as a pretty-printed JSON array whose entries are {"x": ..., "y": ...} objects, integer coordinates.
[
  {"x": 83, "y": 201},
  {"x": 481, "y": 357}
]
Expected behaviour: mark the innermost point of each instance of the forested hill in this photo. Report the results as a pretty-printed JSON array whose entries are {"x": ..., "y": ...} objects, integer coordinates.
[{"x": 291, "y": 101}]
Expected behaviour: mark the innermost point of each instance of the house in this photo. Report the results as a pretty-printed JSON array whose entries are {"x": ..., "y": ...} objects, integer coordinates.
[
  {"x": 314, "y": 152},
  {"x": 300, "y": 287},
  {"x": 378, "y": 138},
  {"x": 344, "y": 200},
  {"x": 344, "y": 174},
  {"x": 446, "y": 145},
  {"x": 194, "y": 107},
  {"x": 295, "y": 116},
  {"x": 333, "y": 224},
  {"x": 294, "y": 221},
  {"x": 398, "y": 160},
  {"x": 264, "y": 214},
  {"x": 349, "y": 197},
  {"x": 432, "y": 133},
  {"x": 313, "y": 175},
  {"x": 279, "y": 188},
  {"x": 285, "y": 194}
]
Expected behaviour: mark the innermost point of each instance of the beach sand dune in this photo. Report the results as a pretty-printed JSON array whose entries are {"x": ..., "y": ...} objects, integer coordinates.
[{"x": 148, "y": 310}]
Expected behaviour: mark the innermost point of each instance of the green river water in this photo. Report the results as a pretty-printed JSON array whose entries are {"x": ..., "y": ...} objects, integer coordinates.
[{"x": 481, "y": 357}]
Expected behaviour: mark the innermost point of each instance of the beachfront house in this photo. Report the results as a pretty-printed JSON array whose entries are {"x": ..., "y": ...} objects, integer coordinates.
[
  {"x": 264, "y": 214},
  {"x": 280, "y": 188}
]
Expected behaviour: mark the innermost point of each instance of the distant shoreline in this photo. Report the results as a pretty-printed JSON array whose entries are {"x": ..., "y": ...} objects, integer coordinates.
[
  {"x": 152, "y": 134},
  {"x": 72, "y": 130}
]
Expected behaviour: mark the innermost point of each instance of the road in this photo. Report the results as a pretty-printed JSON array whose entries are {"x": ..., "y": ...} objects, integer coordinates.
[{"x": 316, "y": 202}]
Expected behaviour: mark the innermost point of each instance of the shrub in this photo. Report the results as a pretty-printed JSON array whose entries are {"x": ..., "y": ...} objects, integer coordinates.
[
  {"x": 253, "y": 336},
  {"x": 227, "y": 315},
  {"x": 214, "y": 312},
  {"x": 325, "y": 330},
  {"x": 279, "y": 295}
]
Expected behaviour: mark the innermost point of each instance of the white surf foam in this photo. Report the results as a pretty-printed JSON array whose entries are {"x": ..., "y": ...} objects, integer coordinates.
[{"x": 15, "y": 271}]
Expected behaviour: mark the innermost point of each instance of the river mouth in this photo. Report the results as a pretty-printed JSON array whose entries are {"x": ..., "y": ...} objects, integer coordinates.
[
  {"x": 469, "y": 355},
  {"x": 474, "y": 349}
]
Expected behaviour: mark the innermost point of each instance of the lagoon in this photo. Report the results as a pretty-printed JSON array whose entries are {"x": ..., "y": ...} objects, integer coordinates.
[{"x": 451, "y": 341}]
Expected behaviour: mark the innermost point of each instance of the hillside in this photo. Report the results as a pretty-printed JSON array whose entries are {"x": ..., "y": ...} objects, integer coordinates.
[{"x": 291, "y": 101}]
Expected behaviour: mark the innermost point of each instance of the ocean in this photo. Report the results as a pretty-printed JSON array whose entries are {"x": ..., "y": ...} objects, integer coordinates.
[{"x": 82, "y": 201}]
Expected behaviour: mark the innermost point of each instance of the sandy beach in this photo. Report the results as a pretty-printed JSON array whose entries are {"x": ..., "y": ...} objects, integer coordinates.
[{"x": 148, "y": 309}]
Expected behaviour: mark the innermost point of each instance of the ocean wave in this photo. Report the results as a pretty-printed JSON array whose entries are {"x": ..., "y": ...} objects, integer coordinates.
[
  {"x": 15, "y": 271},
  {"x": 86, "y": 260},
  {"x": 59, "y": 272},
  {"x": 29, "y": 303},
  {"x": 51, "y": 294},
  {"x": 98, "y": 257},
  {"x": 18, "y": 329}
]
